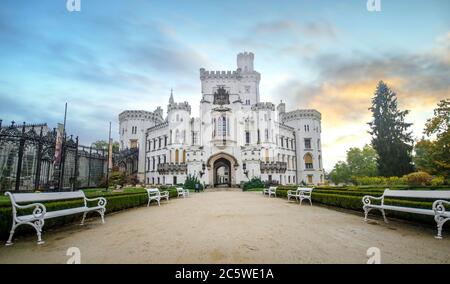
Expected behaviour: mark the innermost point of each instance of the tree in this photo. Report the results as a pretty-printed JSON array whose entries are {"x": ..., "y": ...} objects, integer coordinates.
[
  {"x": 390, "y": 137},
  {"x": 103, "y": 145},
  {"x": 433, "y": 156},
  {"x": 340, "y": 173},
  {"x": 359, "y": 163},
  {"x": 362, "y": 162}
]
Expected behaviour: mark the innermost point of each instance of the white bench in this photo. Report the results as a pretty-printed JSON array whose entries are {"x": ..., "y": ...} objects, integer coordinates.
[
  {"x": 155, "y": 194},
  {"x": 300, "y": 194},
  {"x": 182, "y": 192},
  {"x": 39, "y": 214},
  {"x": 437, "y": 210},
  {"x": 270, "y": 191}
]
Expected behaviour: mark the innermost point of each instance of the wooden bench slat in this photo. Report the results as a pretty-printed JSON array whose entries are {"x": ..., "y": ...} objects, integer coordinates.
[
  {"x": 46, "y": 196},
  {"x": 432, "y": 194}
]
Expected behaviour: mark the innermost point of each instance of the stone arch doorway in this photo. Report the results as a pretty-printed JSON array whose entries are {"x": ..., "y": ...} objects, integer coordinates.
[
  {"x": 222, "y": 169},
  {"x": 222, "y": 172}
]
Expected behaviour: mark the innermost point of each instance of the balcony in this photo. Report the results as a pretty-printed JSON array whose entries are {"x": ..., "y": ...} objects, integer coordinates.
[
  {"x": 166, "y": 168},
  {"x": 273, "y": 167}
]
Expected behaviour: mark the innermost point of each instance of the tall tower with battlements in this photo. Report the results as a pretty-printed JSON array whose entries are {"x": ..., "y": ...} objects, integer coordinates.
[{"x": 242, "y": 84}]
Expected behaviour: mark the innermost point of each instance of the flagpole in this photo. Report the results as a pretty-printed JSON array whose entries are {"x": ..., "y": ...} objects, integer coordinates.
[
  {"x": 61, "y": 173},
  {"x": 109, "y": 158}
]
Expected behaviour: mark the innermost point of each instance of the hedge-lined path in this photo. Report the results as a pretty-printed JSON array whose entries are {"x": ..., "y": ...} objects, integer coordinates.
[{"x": 232, "y": 227}]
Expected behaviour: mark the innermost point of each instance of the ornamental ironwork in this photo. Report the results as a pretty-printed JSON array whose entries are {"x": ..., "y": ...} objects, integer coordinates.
[
  {"x": 221, "y": 96},
  {"x": 273, "y": 167}
]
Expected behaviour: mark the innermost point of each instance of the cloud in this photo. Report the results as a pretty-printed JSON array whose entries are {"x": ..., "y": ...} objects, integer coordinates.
[
  {"x": 344, "y": 86},
  {"x": 287, "y": 37}
]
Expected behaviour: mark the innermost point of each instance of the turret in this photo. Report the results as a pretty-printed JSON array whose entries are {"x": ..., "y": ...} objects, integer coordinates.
[{"x": 245, "y": 61}]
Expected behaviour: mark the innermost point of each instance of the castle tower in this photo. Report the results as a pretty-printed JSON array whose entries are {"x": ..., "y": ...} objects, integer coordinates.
[{"x": 245, "y": 61}]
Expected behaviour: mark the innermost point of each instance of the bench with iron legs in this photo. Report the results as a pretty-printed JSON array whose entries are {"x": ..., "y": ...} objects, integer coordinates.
[
  {"x": 438, "y": 210},
  {"x": 300, "y": 194},
  {"x": 36, "y": 219},
  {"x": 270, "y": 191},
  {"x": 155, "y": 194},
  {"x": 182, "y": 192}
]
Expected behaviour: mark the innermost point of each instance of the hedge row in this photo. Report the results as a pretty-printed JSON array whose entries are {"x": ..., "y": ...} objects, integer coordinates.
[
  {"x": 115, "y": 202},
  {"x": 353, "y": 201}
]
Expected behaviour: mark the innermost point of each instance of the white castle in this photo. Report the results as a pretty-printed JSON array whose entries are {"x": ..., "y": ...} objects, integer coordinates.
[{"x": 237, "y": 137}]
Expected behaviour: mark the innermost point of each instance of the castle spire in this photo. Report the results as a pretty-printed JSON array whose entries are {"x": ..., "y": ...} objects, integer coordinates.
[{"x": 171, "y": 101}]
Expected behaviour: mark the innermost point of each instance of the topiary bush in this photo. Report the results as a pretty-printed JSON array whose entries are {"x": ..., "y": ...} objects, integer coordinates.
[
  {"x": 418, "y": 178},
  {"x": 255, "y": 182}
]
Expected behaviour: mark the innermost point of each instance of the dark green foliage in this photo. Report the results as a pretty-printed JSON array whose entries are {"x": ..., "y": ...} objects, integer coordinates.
[
  {"x": 191, "y": 181},
  {"x": 390, "y": 136},
  {"x": 255, "y": 182}
]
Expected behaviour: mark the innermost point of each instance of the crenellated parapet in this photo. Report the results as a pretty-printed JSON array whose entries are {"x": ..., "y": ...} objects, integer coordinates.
[
  {"x": 263, "y": 106},
  {"x": 204, "y": 74},
  {"x": 179, "y": 106},
  {"x": 141, "y": 115},
  {"x": 301, "y": 114}
]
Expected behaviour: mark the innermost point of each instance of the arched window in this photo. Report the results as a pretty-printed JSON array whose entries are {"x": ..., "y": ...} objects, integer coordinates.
[
  {"x": 222, "y": 127},
  {"x": 266, "y": 155},
  {"x": 177, "y": 154},
  {"x": 308, "y": 161},
  {"x": 177, "y": 136},
  {"x": 184, "y": 156}
]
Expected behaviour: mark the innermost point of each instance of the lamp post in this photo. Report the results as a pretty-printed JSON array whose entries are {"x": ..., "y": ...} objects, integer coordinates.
[
  {"x": 202, "y": 172},
  {"x": 244, "y": 167}
]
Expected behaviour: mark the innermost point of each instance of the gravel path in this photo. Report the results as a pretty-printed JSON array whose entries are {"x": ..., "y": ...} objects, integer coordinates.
[{"x": 233, "y": 227}]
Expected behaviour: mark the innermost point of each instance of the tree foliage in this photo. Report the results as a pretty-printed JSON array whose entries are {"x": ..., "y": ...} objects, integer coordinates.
[
  {"x": 103, "y": 145},
  {"x": 390, "y": 136},
  {"x": 433, "y": 155},
  {"x": 359, "y": 163}
]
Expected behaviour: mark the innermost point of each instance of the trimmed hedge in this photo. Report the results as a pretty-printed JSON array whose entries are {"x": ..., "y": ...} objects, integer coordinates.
[
  {"x": 352, "y": 200},
  {"x": 116, "y": 201}
]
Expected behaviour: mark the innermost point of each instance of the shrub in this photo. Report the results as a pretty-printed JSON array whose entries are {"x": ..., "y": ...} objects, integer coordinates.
[
  {"x": 255, "y": 182},
  {"x": 191, "y": 181},
  {"x": 439, "y": 180},
  {"x": 418, "y": 178}
]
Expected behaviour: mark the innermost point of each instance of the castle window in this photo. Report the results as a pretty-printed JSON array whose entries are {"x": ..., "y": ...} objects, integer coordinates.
[
  {"x": 267, "y": 134},
  {"x": 177, "y": 136},
  {"x": 307, "y": 143},
  {"x": 266, "y": 155},
  {"x": 310, "y": 179},
  {"x": 308, "y": 161},
  {"x": 222, "y": 128},
  {"x": 194, "y": 138},
  {"x": 247, "y": 137},
  {"x": 165, "y": 141},
  {"x": 177, "y": 154},
  {"x": 282, "y": 142},
  {"x": 184, "y": 156}
]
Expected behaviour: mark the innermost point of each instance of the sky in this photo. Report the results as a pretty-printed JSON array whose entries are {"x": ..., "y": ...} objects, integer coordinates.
[{"x": 327, "y": 55}]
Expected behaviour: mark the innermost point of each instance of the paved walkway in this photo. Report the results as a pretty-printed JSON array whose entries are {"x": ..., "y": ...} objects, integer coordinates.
[{"x": 233, "y": 227}]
